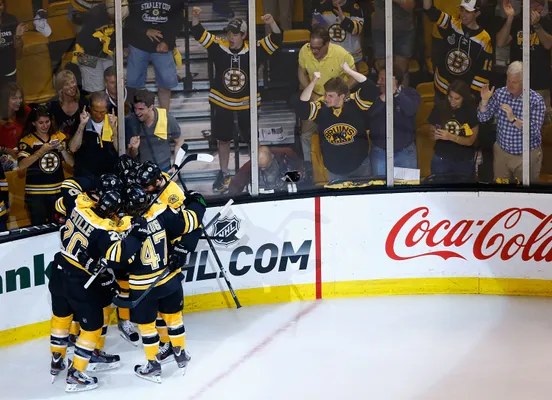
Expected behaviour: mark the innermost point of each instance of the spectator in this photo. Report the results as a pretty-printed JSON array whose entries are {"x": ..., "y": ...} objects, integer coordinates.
[
  {"x": 229, "y": 94},
  {"x": 110, "y": 79},
  {"x": 541, "y": 43},
  {"x": 11, "y": 45},
  {"x": 404, "y": 34},
  {"x": 507, "y": 105},
  {"x": 344, "y": 21},
  {"x": 455, "y": 127},
  {"x": 13, "y": 116},
  {"x": 319, "y": 55},
  {"x": 41, "y": 152},
  {"x": 273, "y": 166},
  {"x": 152, "y": 29},
  {"x": 461, "y": 48},
  {"x": 95, "y": 143},
  {"x": 68, "y": 104},
  {"x": 95, "y": 44},
  {"x": 343, "y": 141},
  {"x": 282, "y": 10},
  {"x": 4, "y": 197},
  {"x": 405, "y": 103},
  {"x": 155, "y": 128}
]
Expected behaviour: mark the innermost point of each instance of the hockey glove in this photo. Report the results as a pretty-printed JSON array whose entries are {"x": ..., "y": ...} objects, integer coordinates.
[
  {"x": 87, "y": 262},
  {"x": 139, "y": 228},
  {"x": 177, "y": 258},
  {"x": 192, "y": 196},
  {"x": 107, "y": 281}
]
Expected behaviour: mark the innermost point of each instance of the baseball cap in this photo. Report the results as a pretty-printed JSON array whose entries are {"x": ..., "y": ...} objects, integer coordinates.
[
  {"x": 471, "y": 5},
  {"x": 237, "y": 26}
]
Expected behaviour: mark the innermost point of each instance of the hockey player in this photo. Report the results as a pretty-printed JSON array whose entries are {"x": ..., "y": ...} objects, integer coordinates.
[
  {"x": 461, "y": 48},
  {"x": 127, "y": 168},
  {"x": 92, "y": 232},
  {"x": 70, "y": 189},
  {"x": 166, "y": 298},
  {"x": 230, "y": 90},
  {"x": 152, "y": 180},
  {"x": 341, "y": 122}
]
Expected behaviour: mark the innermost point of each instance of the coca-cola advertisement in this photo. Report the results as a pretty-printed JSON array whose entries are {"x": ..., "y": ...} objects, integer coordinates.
[{"x": 443, "y": 234}]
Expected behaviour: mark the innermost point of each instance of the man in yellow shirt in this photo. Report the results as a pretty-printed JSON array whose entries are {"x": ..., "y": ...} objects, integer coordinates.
[{"x": 320, "y": 55}]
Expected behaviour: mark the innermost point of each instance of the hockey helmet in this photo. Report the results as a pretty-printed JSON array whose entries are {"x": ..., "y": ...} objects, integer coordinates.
[
  {"x": 148, "y": 174},
  {"x": 110, "y": 182},
  {"x": 108, "y": 204},
  {"x": 136, "y": 200},
  {"x": 126, "y": 168}
]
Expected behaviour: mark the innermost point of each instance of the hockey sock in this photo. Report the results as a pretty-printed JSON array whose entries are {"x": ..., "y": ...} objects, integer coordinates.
[
  {"x": 59, "y": 334},
  {"x": 85, "y": 346},
  {"x": 150, "y": 340},
  {"x": 177, "y": 333},
  {"x": 75, "y": 328},
  {"x": 161, "y": 326},
  {"x": 123, "y": 313},
  {"x": 106, "y": 314}
]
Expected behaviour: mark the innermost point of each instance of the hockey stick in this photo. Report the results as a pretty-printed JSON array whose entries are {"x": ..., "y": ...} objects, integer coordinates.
[
  {"x": 180, "y": 162},
  {"x": 122, "y": 303},
  {"x": 215, "y": 254}
]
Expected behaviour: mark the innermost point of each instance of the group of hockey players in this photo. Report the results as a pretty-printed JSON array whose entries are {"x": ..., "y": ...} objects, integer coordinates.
[{"x": 112, "y": 228}]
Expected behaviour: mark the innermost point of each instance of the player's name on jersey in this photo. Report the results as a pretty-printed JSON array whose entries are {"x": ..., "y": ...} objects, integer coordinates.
[{"x": 84, "y": 227}]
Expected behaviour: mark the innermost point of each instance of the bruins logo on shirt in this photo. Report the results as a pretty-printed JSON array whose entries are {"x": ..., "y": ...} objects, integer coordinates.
[
  {"x": 340, "y": 134},
  {"x": 49, "y": 163},
  {"x": 173, "y": 198},
  {"x": 337, "y": 34},
  {"x": 458, "y": 62},
  {"x": 534, "y": 39},
  {"x": 234, "y": 80}
]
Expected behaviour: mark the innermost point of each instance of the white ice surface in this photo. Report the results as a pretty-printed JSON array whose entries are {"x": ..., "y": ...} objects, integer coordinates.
[{"x": 409, "y": 347}]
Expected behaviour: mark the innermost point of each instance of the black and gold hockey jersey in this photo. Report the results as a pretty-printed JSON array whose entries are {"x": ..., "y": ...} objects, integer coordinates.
[
  {"x": 459, "y": 52},
  {"x": 96, "y": 38},
  {"x": 100, "y": 237},
  {"x": 3, "y": 194},
  {"x": 343, "y": 137},
  {"x": 172, "y": 196},
  {"x": 71, "y": 189},
  {"x": 230, "y": 88},
  {"x": 44, "y": 176},
  {"x": 346, "y": 33},
  {"x": 164, "y": 224}
]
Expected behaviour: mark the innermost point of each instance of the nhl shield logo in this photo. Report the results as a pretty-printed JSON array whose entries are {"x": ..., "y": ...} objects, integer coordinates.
[{"x": 225, "y": 231}]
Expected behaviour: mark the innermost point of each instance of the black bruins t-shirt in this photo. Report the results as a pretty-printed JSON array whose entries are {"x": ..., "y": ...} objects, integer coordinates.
[
  {"x": 166, "y": 16},
  {"x": 540, "y": 56},
  {"x": 458, "y": 122},
  {"x": 7, "y": 44}
]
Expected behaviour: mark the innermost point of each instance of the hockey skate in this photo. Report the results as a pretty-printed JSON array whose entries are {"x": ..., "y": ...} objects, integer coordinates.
[
  {"x": 151, "y": 371},
  {"x": 166, "y": 353},
  {"x": 71, "y": 342},
  {"x": 79, "y": 382},
  {"x": 57, "y": 365},
  {"x": 101, "y": 361},
  {"x": 182, "y": 357},
  {"x": 128, "y": 332}
]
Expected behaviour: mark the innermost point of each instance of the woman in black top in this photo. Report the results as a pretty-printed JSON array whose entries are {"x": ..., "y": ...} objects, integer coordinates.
[
  {"x": 454, "y": 127},
  {"x": 67, "y": 106}
]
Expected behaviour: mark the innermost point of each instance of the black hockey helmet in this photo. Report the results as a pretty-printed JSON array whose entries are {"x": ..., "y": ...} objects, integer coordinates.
[
  {"x": 136, "y": 200},
  {"x": 110, "y": 182},
  {"x": 148, "y": 174},
  {"x": 126, "y": 168},
  {"x": 109, "y": 204}
]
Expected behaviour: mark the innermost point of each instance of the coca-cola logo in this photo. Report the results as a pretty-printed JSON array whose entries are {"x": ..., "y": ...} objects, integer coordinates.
[{"x": 515, "y": 231}]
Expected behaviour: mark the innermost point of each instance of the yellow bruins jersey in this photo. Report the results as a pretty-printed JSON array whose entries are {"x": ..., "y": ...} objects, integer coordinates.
[
  {"x": 230, "y": 88},
  {"x": 459, "y": 52},
  {"x": 71, "y": 189},
  {"x": 45, "y": 175},
  {"x": 164, "y": 224},
  {"x": 100, "y": 237},
  {"x": 345, "y": 33},
  {"x": 173, "y": 196}
]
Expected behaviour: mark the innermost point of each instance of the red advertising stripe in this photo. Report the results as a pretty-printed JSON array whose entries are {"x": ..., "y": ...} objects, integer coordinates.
[{"x": 318, "y": 242}]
